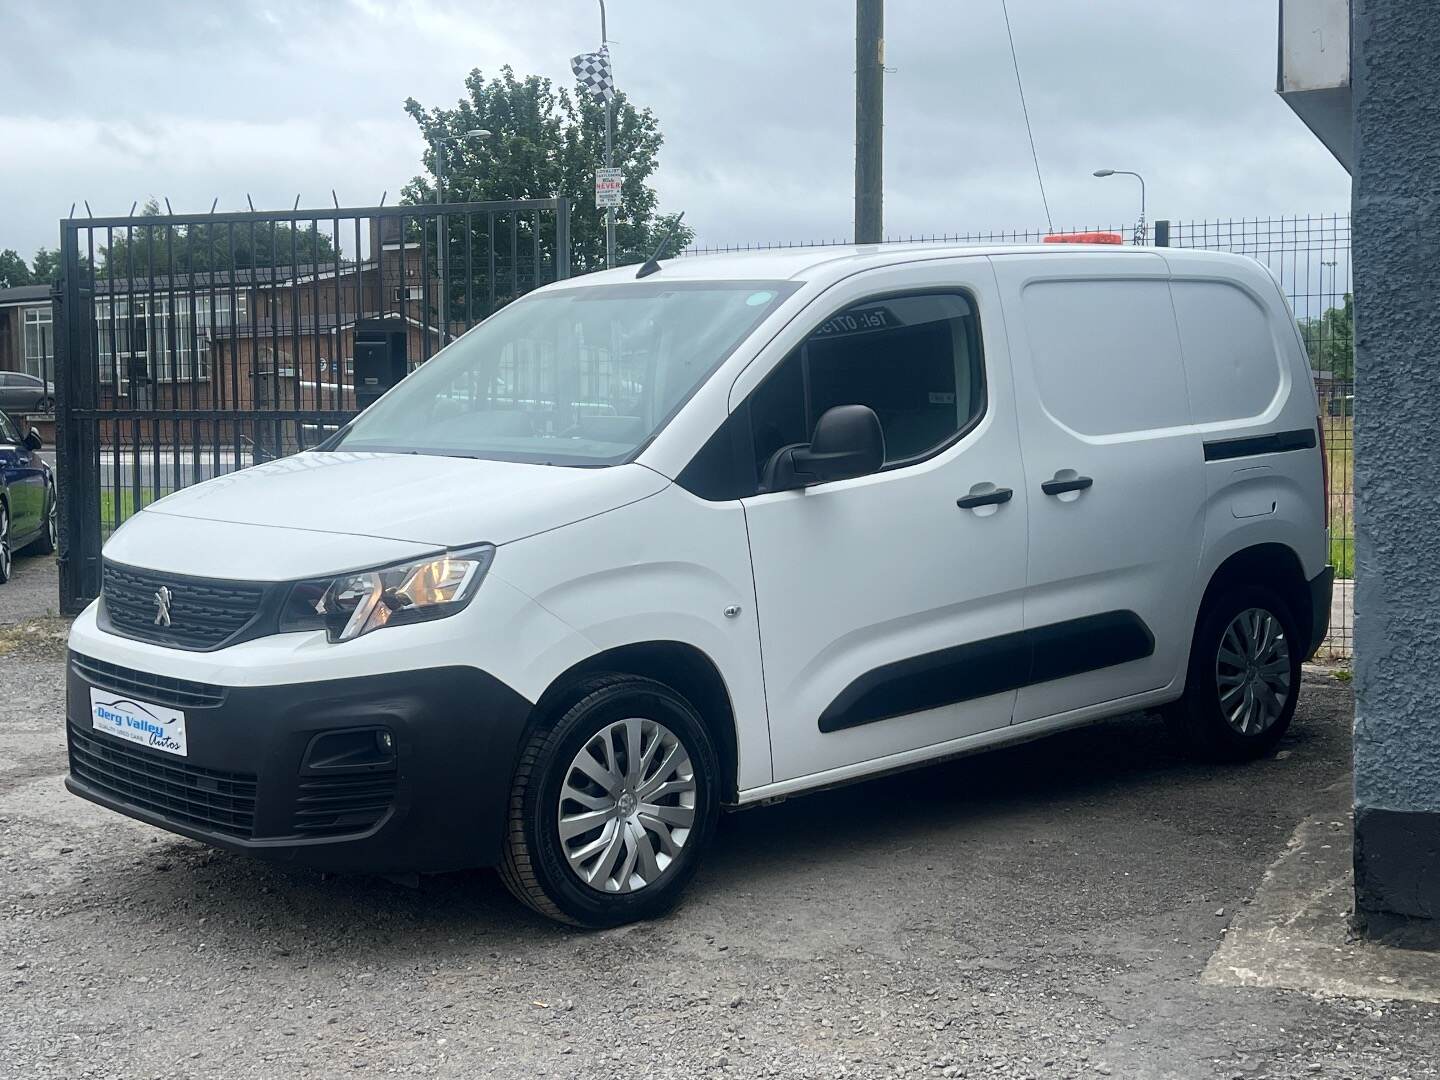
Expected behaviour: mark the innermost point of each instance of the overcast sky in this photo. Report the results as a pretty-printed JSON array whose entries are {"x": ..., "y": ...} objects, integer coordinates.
[{"x": 114, "y": 102}]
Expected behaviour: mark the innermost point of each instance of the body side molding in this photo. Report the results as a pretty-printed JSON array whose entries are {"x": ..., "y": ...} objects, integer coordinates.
[{"x": 990, "y": 666}]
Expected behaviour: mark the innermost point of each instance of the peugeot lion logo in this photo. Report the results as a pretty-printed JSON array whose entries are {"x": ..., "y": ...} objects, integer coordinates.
[{"x": 162, "y": 606}]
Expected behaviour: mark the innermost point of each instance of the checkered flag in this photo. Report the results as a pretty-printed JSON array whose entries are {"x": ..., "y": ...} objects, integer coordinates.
[{"x": 593, "y": 71}]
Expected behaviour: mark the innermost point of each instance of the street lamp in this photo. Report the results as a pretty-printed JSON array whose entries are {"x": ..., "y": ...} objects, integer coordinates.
[
  {"x": 1140, "y": 231},
  {"x": 438, "y": 144},
  {"x": 442, "y": 233}
]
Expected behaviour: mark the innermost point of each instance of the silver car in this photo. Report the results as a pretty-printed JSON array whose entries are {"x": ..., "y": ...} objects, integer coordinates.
[{"x": 22, "y": 393}]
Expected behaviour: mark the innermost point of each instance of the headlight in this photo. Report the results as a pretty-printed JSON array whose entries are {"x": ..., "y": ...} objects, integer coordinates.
[{"x": 349, "y": 605}]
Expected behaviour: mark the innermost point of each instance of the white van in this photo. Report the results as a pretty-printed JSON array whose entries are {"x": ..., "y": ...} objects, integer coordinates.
[{"x": 637, "y": 549}]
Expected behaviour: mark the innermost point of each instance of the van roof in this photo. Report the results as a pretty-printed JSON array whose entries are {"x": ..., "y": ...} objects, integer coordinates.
[{"x": 782, "y": 264}]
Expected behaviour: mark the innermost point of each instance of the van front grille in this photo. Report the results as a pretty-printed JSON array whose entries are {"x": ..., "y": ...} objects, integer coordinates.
[
  {"x": 206, "y": 799},
  {"x": 159, "y": 689},
  {"x": 335, "y": 805},
  {"x": 203, "y": 613}
]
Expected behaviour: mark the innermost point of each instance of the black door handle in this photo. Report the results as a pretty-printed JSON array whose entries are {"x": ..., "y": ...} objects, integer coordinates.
[
  {"x": 1059, "y": 487},
  {"x": 985, "y": 498}
]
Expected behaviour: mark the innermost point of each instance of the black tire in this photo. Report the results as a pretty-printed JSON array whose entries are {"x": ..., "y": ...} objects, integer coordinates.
[
  {"x": 5, "y": 555},
  {"x": 45, "y": 543},
  {"x": 535, "y": 866},
  {"x": 1198, "y": 719},
  {"x": 45, "y": 405}
]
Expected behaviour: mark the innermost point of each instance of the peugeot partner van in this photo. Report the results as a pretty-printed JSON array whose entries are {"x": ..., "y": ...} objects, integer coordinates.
[{"x": 638, "y": 549}]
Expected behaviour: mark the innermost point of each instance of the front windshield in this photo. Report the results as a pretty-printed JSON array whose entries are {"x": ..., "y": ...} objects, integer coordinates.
[{"x": 581, "y": 376}]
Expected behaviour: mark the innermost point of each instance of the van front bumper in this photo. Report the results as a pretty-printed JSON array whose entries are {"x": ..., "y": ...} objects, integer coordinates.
[{"x": 392, "y": 773}]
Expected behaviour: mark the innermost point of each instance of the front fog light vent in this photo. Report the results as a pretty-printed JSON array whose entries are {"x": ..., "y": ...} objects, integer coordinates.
[{"x": 356, "y": 748}]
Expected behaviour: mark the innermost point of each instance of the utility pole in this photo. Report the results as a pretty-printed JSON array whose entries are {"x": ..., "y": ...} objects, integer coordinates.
[
  {"x": 869, "y": 121},
  {"x": 609, "y": 150}
]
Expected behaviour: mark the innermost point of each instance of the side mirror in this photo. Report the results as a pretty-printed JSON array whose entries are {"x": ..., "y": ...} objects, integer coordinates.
[
  {"x": 34, "y": 441},
  {"x": 848, "y": 442}
]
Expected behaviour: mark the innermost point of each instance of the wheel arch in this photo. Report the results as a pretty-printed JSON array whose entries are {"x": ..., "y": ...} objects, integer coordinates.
[
  {"x": 1274, "y": 565},
  {"x": 679, "y": 665}
]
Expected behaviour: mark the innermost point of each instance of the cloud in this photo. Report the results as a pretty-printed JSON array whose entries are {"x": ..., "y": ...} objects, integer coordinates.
[{"x": 117, "y": 102}]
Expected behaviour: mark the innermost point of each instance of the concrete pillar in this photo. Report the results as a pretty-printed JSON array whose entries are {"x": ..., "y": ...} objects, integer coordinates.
[{"x": 1396, "y": 57}]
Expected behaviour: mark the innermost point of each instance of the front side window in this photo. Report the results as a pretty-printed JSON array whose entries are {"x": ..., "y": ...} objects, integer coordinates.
[
  {"x": 915, "y": 360},
  {"x": 583, "y": 376},
  {"x": 9, "y": 433}
]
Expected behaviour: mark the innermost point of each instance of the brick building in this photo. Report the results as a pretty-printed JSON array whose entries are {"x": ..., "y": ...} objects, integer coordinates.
[{"x": 27, "y": 339}]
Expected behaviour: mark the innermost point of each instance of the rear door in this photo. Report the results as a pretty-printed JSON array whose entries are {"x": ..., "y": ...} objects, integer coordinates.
[
  {"x": 889, "y": 614},
  {"x": 1114, "y": 473}
]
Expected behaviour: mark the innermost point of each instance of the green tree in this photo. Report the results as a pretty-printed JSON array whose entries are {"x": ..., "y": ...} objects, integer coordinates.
[
  {"x": 13, "y": 271},
  {"x": 546, "y": 143},
  {"x": 159, "y": 247},
  {"x": 1330, "y": 340},
  {"x": 46, "y": 265}
]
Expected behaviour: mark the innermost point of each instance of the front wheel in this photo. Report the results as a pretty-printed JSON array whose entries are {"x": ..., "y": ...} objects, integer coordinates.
[
  {"x": 1244, "y": 677},
  {"x": 612, "y": 805}
]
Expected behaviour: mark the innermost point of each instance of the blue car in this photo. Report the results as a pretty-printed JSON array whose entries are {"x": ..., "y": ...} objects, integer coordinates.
[{"x": 27, "y": 496}]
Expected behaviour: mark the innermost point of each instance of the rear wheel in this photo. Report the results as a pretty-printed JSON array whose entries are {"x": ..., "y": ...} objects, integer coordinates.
[
  {"x": 48, "y": 539},
  {"x": 612, "y": 805},
  {"x": 1244, "y": 677}
]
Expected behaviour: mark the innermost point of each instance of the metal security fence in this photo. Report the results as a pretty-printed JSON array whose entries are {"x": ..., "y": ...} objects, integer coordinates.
[
  {"x": 188, "y": 346},
  {"x": 1310, "y": 256}
]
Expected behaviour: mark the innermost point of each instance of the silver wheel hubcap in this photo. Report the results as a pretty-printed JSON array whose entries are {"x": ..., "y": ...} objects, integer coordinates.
[
  {"x": 4, "y": 545},
  {"x": 50, "y": 521},
  {"x": 627, "y": 805},
  {"x": 1252, "y": 671}
]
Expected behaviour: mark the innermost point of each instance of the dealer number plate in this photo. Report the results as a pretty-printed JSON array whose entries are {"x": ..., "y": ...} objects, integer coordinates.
[{"x": 140, "y": 722}]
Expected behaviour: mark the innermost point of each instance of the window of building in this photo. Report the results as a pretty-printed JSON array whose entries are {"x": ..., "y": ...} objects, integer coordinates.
[
  {"x": 915, "y": 360},
  {"x": 408, "y": 292},
  {"x": 40, "y": 342},
  {"x": 142, "y": 333}
]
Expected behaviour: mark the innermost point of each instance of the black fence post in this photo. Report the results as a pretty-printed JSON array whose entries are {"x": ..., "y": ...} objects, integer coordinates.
[
  {"x": 562, "y": 239},
  {"x": 76, "y": 490},
  {"x": 1162, "y": 233}
]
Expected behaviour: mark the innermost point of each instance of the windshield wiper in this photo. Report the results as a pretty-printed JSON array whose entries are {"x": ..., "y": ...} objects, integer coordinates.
[{"x": 652, "y": 264}]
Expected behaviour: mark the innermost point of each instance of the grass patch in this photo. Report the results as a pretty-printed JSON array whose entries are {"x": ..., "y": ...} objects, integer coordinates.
[
  {"x": 1342, "y": 556},
  {"x": 117, "y": 506},
  {"x": 36, "y": 638}
]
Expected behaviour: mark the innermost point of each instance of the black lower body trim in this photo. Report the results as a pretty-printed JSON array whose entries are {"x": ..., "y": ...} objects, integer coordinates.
[
  {"x": 992, "y": 666},
  {"x": 1322, "y": 588}
]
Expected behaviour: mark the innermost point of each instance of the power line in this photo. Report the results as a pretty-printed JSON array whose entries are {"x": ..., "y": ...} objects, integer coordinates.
[{"x": 1026, "y": 110}]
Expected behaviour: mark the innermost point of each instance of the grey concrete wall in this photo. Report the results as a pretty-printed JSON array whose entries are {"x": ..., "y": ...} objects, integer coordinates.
[{"x": 1396, "y": 47}]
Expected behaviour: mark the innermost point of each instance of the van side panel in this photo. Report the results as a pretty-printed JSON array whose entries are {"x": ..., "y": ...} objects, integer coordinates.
[
  {"x": 663, "y": 569},
  {"x": 1102, "y": 401},
  {"x": 1254, "y": 404}
]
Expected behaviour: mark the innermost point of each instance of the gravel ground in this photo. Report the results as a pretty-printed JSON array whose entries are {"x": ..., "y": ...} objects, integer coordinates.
[
  {"x": 1036, "y": 912},
  {"x": 33, "y": 590}
]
